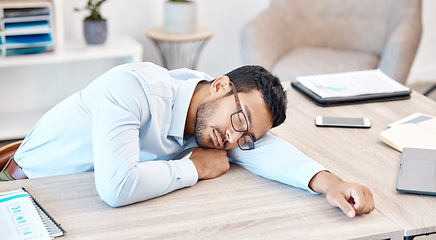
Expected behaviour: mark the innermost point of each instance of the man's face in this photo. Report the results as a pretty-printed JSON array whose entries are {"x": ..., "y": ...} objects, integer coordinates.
[{"x": 213, "y": 128}]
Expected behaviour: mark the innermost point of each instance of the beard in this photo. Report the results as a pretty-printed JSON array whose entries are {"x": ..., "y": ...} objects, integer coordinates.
[{"x": 204, "y": 114}]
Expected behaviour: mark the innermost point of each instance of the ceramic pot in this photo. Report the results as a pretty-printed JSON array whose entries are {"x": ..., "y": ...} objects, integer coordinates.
[
  {"x": 179, "y": 17},
  {"x": 95, "y": 31}
]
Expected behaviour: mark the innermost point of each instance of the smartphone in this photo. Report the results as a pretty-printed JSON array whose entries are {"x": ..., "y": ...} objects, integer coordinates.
[{"x": 321, "y": 121}]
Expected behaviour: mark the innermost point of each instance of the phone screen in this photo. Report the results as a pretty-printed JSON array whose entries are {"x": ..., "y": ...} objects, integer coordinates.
[
  {"x": 343, "y": 122},
  {"x": 347, "y": 121}
]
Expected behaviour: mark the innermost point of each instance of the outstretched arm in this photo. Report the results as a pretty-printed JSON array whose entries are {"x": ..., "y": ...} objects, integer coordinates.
[
  {"x": 351, "y": 198},
  {"x": 277, "y": 159}
]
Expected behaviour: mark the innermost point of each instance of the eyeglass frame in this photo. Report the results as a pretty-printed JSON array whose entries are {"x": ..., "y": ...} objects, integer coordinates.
[{"x": 239, "y": 110}]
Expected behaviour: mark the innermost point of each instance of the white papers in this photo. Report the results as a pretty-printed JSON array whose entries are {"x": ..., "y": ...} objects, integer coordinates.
[
  {"x": 411, "y": 135},
  {"x": 414, "y": 118},
  {"x": 19, "y": 218},
  {"x": 351, "y": 83}
]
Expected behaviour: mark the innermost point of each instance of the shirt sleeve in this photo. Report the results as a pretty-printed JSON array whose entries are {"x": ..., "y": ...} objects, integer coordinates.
[
  {"x": 119, "y": 110},
  {"x": 279, "y": 160}
]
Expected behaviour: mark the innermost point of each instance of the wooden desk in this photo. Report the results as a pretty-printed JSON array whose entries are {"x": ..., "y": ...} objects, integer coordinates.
[
  {"x": 237, "y": 205},
  {"x": 357, "y": 155}
]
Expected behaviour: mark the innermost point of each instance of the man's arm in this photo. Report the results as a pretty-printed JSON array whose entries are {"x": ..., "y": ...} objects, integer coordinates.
[
  {"x": 351, "y": 198},
  {"x": 119, "y": 109},
  {"x": 277, "y": 159}
]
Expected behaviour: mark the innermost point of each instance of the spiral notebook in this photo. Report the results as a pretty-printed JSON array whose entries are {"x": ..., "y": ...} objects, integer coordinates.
[
  {"x": 24, "y": 218},
  {"x": 351, "y": 88}
]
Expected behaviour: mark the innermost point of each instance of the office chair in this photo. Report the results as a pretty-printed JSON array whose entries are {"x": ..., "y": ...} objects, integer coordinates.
[
  {"x": 7, "y": 151},
  {"x": 301, "y": 37}
]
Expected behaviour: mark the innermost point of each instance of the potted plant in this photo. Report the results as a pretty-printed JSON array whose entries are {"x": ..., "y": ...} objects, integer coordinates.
[
  {"x": 94, "y": 25},
  {"x": 179, "y": 16}
]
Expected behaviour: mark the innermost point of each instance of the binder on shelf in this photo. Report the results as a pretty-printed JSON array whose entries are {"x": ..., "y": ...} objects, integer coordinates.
[
  {"x": 24, "y": 12},
  {"x": 28, "y": 50},
  {"x": 28, "y": 39},
  {"x": 27, "y": 19},
  {"x": 27, "y": 44},
  {"x": 32, "y": 27},
  {"x": 351, "y": 88}
]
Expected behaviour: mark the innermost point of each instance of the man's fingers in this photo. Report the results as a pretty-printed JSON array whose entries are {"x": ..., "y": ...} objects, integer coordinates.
[
  {"x": 345, "y": 206},
  {"x": 364, "y": 201}
]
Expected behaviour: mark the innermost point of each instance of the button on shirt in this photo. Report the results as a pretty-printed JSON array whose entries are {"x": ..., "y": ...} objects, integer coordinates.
[{"x": 128, "y": 126}]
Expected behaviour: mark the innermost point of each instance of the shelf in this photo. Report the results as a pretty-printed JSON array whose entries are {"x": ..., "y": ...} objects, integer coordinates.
[
  {"x": 15, "y": 125},
  {"x": 114, "y": 47}
]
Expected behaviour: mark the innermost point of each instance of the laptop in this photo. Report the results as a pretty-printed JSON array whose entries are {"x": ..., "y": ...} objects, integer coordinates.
[{"x": 417, "y": 171}]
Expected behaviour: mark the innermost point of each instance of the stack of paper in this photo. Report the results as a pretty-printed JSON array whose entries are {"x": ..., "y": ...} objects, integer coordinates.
[
  {"x": 26, "y": 30},
  {"x": 351, "y": 84},
  {"x": 412, "y": 135}
]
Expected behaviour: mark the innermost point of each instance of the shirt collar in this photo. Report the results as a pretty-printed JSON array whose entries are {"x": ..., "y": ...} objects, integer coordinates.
[{"x": 180, "y": 109}]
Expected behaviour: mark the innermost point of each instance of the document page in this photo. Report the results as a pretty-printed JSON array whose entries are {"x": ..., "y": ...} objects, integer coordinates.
[
  {"x": 19, "y": 218},
  {"x": 351, "y": 83}
]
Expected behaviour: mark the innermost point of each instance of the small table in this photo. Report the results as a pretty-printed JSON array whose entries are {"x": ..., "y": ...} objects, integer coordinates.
[{"x": 179, "y": 50}]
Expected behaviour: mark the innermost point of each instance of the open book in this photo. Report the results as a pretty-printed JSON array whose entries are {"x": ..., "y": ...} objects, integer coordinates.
[
  {"x": 22, "y": 218},
  {"x": 412, "y": 135},
  {"x": 351, "y": 87}
]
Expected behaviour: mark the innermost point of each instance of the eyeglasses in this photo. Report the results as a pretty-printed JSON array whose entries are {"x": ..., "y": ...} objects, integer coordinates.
[{"x": 240, "y": 124}]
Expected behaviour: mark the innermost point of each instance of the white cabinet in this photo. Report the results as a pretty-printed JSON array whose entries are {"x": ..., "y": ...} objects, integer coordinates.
[
  {"x": 31, "y": 84},
  {"x": 115, "y": 47}
]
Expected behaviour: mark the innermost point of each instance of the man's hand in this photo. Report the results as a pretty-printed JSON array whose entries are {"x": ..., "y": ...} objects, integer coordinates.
[
  {"x": 210, "y": 163},
  {"x": 351, "y": 198}
]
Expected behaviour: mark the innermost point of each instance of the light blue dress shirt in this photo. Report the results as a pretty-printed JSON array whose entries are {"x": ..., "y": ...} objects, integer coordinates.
[{"x": 128, "y": 126}]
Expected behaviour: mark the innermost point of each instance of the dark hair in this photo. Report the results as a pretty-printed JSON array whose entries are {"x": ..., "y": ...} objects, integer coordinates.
[{"x": 253, "y": 77}]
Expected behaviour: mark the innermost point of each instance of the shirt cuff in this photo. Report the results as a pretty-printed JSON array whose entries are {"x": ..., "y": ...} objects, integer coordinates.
[
  {"x": 309, "y": 171},
  {"x": 188, "y": 172}
]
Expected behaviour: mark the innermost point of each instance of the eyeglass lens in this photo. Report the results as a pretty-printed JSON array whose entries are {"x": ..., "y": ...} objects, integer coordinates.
[
  {"x": 245, "y": 142},
  {"x": 239, "y": 122}
]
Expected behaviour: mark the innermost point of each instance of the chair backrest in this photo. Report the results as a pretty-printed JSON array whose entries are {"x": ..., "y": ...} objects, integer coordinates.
[
  {"x": 362, "y": 25},
  {"x": 389, "y": 29},
  {"x": 7, "y": 151}
]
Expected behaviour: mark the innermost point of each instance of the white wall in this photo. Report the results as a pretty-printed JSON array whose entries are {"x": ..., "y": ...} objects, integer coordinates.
[
  {"x": 44, "y": 86},
  {"x": 225, "y": 18},
  {"x": 40, "y": 87},
  {"x": 133, "y": 17}
]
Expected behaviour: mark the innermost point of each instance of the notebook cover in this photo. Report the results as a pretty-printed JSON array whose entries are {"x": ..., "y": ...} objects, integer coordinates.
[
  {"x": 55, "y": 229},
  {"x": 337, "y": 101}
]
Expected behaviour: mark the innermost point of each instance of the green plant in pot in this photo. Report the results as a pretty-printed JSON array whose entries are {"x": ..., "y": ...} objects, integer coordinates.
[
  {"x": 94, "y": 25},
  {"x": 179, "y": 16}
]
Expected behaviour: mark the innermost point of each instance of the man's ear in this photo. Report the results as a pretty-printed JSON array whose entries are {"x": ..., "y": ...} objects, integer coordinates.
[{"x": 220, "y": 85}]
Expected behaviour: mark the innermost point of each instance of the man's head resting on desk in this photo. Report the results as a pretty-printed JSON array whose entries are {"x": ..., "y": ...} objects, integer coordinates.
[{"x": 239, "y": 108}]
